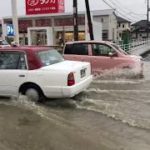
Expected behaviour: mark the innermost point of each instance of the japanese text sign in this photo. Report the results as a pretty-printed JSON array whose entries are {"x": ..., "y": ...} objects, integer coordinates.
[{"x": 44, "y": 6}]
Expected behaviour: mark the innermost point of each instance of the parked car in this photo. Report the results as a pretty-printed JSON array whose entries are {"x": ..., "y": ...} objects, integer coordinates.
[
  {"x": 40, "y": 72},
  {"x": 102, "y": 55},
  {"x": 4, "y": 43}
]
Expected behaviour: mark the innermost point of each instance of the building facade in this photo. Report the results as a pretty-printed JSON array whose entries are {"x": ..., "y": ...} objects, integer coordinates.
[
  {"x": 56, "y": 29},
  {"x": 123, "y": 26},
  {"x": 141, "y": 30}
]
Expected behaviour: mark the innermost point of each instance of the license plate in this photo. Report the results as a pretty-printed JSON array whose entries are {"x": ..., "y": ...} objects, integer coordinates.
[{"x": 83, "y": 73}]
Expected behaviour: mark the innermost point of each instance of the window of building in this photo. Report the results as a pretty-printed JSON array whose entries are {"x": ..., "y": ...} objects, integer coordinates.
[
  {"x": 105, "y": 35},
  {"x": 123, "y": 25},
  {"x": 70, "y": 37}
]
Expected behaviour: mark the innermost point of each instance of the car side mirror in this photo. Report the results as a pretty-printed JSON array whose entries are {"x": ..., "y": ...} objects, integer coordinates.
[{"x": 112, "y": 54}]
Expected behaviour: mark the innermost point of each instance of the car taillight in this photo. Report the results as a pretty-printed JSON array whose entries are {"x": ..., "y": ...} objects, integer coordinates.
[{"x": 71, "y": 80}]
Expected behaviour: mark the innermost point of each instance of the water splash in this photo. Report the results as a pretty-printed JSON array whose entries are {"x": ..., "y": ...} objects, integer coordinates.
[{"x": 119, "y": 74}]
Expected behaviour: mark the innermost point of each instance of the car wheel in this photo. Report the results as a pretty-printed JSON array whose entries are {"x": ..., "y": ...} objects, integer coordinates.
[{"x": 34, "y": 94}]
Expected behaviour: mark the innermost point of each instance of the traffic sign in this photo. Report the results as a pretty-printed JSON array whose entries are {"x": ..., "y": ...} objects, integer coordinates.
[{"x": 10, "y": 30}]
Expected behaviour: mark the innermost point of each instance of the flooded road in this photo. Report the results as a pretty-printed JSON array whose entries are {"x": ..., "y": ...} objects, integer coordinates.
[{"x": 110, "y": 115}]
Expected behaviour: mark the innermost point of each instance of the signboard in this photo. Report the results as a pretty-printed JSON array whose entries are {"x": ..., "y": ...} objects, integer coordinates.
[
  {"x": 44, "y": 6},
  {"x": 10, "y": 30}
]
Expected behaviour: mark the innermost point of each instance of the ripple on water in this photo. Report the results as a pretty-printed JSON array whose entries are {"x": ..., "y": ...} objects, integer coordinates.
[{"x": 126, "y": 100}]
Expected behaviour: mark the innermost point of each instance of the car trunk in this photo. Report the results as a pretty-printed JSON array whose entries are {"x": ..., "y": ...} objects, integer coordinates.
[{"x": 81, "y": 70}]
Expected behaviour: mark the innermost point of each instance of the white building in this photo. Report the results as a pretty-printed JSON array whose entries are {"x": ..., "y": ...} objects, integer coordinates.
[
  {"x": 54, "y": 29},
  {"x": 123, "y": 26}
]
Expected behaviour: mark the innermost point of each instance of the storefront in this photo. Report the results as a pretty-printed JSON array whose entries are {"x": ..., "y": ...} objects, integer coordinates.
[{"x": 47, "y": 30}]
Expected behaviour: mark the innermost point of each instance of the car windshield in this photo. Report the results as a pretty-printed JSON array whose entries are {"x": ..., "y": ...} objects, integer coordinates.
[
  {"x": 50, "y": 57},
  {"x": 118, "y": 48}
]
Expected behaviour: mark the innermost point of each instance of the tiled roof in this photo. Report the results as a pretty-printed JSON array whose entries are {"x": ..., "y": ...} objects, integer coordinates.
[
  {"x": 103, "y": 12},
  {"x": 121, "y": 20},
  {"x": 141, "y": 23}
]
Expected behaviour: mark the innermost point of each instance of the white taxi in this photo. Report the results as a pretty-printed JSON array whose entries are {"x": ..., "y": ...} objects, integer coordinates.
[{"x": 40, "y": 72}]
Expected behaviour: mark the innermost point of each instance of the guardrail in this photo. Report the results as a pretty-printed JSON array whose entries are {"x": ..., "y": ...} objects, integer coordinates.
[{"x": 134, "y": 44}]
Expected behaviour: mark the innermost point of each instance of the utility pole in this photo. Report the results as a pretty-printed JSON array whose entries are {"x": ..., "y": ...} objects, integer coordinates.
[
  {"x": 15, "y": 20},
  {"x": 89, "y": 19},
  {"x": 148, "y": 9},
  {"x": 75, "y": 20}
]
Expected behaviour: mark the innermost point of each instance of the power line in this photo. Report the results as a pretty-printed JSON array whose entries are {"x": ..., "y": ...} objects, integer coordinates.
[
  {"x": 123, "y": 13},
  {"x": 116, "y": 10},
  {"x": 123, "y": 7},
  {"x": 126, "y": 10},
  {"x": 108, "y": 4}
]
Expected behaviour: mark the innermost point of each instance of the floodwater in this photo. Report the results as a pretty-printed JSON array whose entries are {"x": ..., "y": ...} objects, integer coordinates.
[{"x": 112, "y": 114}]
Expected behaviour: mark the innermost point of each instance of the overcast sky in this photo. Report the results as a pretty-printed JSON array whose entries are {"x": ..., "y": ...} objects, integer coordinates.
[{"x": 131, "y": 9}]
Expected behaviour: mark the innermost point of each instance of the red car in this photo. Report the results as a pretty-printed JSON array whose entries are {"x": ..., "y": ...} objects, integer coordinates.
[{"x": 102, "y": 55}]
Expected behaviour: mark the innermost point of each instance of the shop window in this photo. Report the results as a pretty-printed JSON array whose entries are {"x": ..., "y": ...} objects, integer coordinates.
[
  {"x": 68, "y": 36},
  {"x": 81, "y": 36}
]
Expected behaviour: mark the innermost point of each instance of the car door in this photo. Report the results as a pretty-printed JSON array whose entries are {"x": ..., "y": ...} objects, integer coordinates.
[
  {"x": 13, "y": 71},
  {"x": 104, "y": 57},
  {"x": 77, "y": 52}
]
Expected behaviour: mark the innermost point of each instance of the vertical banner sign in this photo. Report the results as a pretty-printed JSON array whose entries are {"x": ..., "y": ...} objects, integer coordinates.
[{"x": 44, "y": 6}]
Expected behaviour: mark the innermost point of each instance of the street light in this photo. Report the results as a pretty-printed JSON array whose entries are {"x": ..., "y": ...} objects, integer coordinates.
[{"x": 15, "y": 20}]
